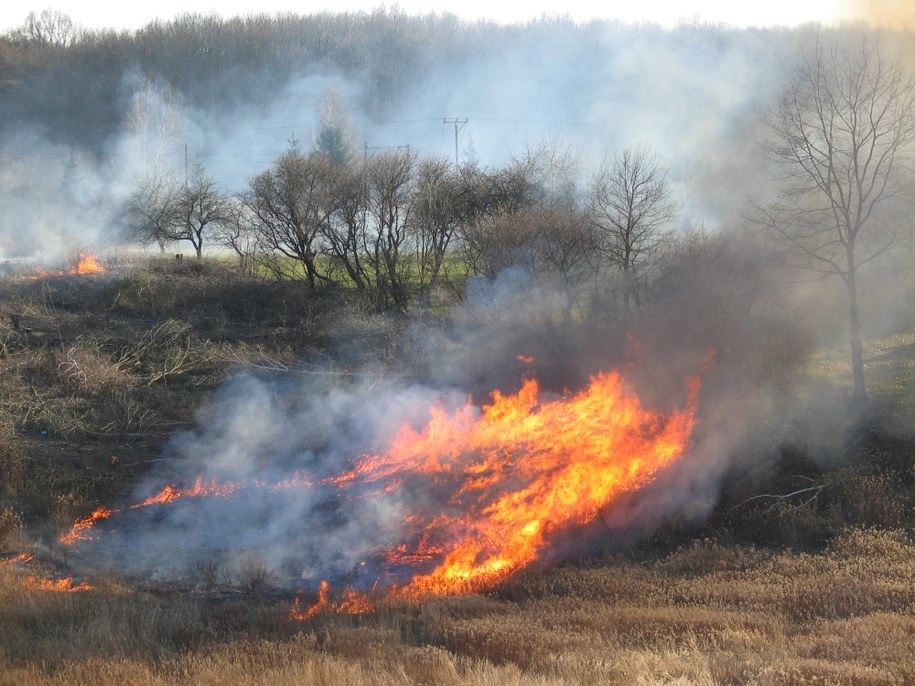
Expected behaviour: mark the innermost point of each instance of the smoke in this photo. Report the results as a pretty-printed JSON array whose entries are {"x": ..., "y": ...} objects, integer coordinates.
[
  {"x": 55, "y": 200},
  {"x": 277, "y": 441},
  {"x": 691, "y": 93},
  {"x": 272, "y": 449}
]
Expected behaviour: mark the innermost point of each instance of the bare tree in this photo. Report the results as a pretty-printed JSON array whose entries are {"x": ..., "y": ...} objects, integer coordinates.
[
  {"x": 390, "y": 196},
  {"x": 241, "y": 234},
  {"x": 149, "y": 212},
  {"x": 292, "y": 204},
  {"x": 49, "y": 28},
  {"x": 840, "y": 131},
  {"x": 630, "y": 205},
  {"x": 344, "y": 233},
  {"x": 445, "y": 201},
  {"x": 153, "y": 122},
  {"x": 199, "y": 209}
]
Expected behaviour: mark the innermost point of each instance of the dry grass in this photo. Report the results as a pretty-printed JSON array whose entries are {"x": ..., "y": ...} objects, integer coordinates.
[
  {"x": 98, "y": 371},
  {"x": 705, "y": 614},
  {"x": 91, "y": 370}
]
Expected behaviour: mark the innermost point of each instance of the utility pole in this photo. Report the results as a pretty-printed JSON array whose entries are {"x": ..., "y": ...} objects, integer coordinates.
[{"x": 459, "y": 123}]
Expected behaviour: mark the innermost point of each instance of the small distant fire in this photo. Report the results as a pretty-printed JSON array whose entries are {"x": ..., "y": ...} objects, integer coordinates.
[
  {"x": 85, "y": 264},
  {"x": 65, "y": 585},
  {"x": 500, "y": 484},
  {"x": 38, "y": 583}
]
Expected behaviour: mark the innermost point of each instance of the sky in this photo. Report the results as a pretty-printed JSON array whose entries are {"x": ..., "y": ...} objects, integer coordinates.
[{"x": 129, "y": 15}]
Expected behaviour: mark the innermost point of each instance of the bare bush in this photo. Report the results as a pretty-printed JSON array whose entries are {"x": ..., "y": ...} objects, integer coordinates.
[
  {"x": 253, "y": 576},
  {"x": 90, "y": 372}
]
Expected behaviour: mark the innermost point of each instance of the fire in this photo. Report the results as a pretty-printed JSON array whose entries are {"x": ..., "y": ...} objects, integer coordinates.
[
  {"x": 518, "y": 473},
  {"x": 65, "y": 585},
  {"x": 36, "y": 583},
  {"x": 500, "y": 483},
  {"x": 87, "y": 264},
  {"x": 351, "y": 603},
  {"x": 82, "y": 528},
  {"x": 20, "y": 559}
]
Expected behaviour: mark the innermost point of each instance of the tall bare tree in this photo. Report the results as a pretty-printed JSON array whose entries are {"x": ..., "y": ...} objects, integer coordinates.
[
  {"x": 444, "y": 202},
  {"x": 344, "y": 233},
  {"x": 390, "y": 196},
  {"x": 630, "y": 206},
  {"x": 153, "y": 123},
  {"x": 840, "y": 131},
  {"x": 46, "y": 28}
]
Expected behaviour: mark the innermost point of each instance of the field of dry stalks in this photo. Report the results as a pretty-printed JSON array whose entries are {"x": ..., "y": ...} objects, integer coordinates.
[
  {"x": 96, "y": 372},
  {"x": 705, "y": 614}
]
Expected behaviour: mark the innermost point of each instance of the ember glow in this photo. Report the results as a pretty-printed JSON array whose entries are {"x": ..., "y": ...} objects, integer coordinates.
[
  {"x": 476, "y": 493},
  {"x": 20, "y": 559}
]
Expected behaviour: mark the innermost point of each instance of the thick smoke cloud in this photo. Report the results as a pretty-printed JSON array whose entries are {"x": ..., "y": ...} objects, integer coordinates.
[
  {"x": 272, "y": 437},
  {"x": 284, "y": 439}
]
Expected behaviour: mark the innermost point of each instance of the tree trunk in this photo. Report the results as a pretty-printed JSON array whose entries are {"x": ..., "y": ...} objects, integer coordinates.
[{"x": 854, "y": 326}]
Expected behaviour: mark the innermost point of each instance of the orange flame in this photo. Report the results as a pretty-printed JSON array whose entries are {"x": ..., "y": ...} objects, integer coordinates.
[
  {"x": 506, "y": 479},
  {"x": 351, "y": 603},
  {"x": 199, "y": 489},
  {"x": 20, "y": 559},
  {"x": 80, "y": 530},
  {"x": 520, "y": 473},
  {"x": 87, "y": 264},
  {"x": 65, "y": 585}
]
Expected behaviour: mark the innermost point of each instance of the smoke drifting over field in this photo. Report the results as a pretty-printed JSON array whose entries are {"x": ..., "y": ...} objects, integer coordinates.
[
  {"x": 264, "y": 474},
  {"x": 269, "y": 455},
  {"x": 691, "y": 94},
  {"x": 268, "y": 452}
]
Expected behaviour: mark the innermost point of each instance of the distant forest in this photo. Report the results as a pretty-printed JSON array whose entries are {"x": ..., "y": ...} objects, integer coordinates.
[{"x": 70, "y": 84}]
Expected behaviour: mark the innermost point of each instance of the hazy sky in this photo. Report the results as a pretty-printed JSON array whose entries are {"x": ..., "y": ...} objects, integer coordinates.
[{"x": 664, "y": 12}]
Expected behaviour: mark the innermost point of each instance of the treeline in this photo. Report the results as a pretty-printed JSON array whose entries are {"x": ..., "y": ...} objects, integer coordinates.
[
  {"x": 399, "y": 230},
  {"x": 69, "y": 83}
]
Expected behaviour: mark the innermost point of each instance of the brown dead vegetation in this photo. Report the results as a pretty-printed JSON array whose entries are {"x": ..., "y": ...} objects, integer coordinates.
[
  {"x": 701, "y": 615},
  {"x": 804, "y": 574}
]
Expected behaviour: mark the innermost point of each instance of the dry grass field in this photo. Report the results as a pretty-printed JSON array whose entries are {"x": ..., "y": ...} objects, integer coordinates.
[
  {"x": 705, "y": 614},
  {"x": 95, "y": 373}
]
